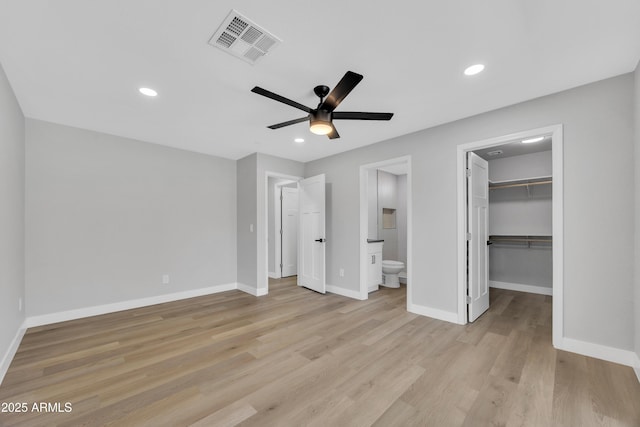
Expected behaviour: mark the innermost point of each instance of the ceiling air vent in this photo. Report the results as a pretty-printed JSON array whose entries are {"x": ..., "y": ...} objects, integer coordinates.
[{"x": 242, "y": 38}]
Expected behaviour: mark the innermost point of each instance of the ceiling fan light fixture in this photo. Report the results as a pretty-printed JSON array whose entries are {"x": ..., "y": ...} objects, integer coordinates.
[
  {"x": 320, "y": 127},
  {"x": 320, "y": 123}
]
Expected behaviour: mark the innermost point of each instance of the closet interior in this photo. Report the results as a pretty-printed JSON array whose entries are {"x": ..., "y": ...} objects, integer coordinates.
[{"x": 520, "y": 217}]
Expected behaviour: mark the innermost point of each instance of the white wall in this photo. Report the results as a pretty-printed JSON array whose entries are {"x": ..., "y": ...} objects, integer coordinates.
[
  {"x": 591, "y": 114},
  {"x": 516, "y": 210},
  {"x": 107, "y": 216},
  {"x": 518, "y": 167},
  {"x": 12, "y": 226}
]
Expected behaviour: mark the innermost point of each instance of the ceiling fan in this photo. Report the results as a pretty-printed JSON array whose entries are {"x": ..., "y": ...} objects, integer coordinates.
[{"x": 321, "y": 118}]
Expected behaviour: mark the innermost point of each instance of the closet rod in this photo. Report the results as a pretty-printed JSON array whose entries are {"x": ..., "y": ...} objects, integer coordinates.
[
  {"x": 524, "y": 184},
  {"x": 523, "y": 239}
]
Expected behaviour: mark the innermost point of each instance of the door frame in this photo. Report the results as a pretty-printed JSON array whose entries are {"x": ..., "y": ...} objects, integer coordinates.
[
  {"x": 557, "y": 150},
  {"x": 268, "y": 174},
  {"x": 277, "y": 219},
  {"x": 364, "y": 222}
]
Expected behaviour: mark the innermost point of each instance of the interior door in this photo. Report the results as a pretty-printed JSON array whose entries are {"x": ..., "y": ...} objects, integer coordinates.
[
  {"x": 311, "y": 240},
  {"x": 289, "y": 231},
  {"x": 478, "y": 235}
]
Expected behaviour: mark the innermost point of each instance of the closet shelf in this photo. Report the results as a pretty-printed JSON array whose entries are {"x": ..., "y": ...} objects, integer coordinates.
[
  {"x": 520, "y": 183},
  {"x": 520, "y": 239}
]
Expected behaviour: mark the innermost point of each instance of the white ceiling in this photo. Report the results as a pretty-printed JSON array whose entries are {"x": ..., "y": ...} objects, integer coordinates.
[{"x": 79, "y": 63}]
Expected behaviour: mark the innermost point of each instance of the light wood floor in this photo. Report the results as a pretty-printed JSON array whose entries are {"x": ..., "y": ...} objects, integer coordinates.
[{"x": 297, "y": 358}]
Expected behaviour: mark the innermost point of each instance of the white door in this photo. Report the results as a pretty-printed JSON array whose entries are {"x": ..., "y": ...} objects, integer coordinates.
[
  {"x": 478, "y": 229},
  {"x": 289, "y": 231},
  {"x": 311, "y": 240}
]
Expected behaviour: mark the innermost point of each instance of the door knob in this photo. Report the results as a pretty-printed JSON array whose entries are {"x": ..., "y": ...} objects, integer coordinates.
[{"x": 320, "y": 240}]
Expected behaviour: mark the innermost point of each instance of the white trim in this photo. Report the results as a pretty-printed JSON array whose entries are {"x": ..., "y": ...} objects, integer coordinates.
[
  {"x": 252, "y": 291},
  {"x": 603, "y": 352},
  {"x": 11, "y": 351},
  {"x": 364, "y": 221},
  {"x": 636, "y": 368},
  {"x": 63, "y": 316},
  {"x": 532, "y": 289},
  {"x": 556, "y": 132},
  {"x": 273, "y": 275},
  {"x": 344, "y": 292},
  {"x": 447, "y": 316},
  {"x": 263, "y": 276}
]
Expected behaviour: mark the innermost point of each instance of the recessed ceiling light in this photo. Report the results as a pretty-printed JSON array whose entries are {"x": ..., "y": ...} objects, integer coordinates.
[
  {"x": 474, "y": 69},
  {"x": 299, "y": 140},
  {"x": 532, "y": 140},
  {"x": 148, "y": 91}
]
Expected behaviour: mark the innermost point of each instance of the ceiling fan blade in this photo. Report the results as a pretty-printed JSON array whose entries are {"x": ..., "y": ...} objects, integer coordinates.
[
  {"x": 358, "y": 115},
  {"x": 334, "y": 133},
  {"x": 342, "y": 89},
  {"x": 290, "y": 122},
  {"x": 279, "y": 98}
]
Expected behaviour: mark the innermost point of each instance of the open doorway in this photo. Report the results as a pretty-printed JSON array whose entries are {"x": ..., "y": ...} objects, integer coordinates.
[
  {"x": 385, "y": 220},
  {"x": 281, "y": 226},
  {"x": 510, "y": 196}
]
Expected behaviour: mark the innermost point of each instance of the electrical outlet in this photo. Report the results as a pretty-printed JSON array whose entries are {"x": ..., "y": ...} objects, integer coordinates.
[
  {"x": 20, "y": 304},
  {"x": 165, "y": 279},
  {"x": 342, "y": 272}
]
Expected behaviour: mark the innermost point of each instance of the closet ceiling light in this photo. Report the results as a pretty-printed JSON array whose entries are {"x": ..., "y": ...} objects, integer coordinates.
[
  {"x": 299, "y": 140},
  {"x": 532, "y": 140},
  {"x": 474, "y": 69},
  {"x": 148, "y": 91}
]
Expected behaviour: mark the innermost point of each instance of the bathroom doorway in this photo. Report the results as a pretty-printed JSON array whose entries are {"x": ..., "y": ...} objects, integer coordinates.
[{"x": 392, "y": 222}]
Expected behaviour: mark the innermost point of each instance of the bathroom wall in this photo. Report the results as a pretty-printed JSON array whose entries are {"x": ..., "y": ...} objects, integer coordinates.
[
  {"x": 402, "y": 218},
  {"x": 387, "y": 198},
  {"x": 372, "y": 188}
]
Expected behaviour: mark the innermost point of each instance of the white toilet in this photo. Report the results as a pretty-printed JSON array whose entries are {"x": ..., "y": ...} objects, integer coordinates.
[{"x": 390, "y": 270}]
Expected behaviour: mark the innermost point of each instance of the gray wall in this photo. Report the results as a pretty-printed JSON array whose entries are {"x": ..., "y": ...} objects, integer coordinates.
[
  {"x": 12, "y": 226},
  {"x": 598, "y": 142},
  {"x": 247, "y": 216},
  {"x": 636, "y": 104},
  {"x": 106, "y": 217}
]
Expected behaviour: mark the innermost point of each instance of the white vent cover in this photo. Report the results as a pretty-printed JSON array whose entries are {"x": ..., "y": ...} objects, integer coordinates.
[{"x": 241, "y": 37}]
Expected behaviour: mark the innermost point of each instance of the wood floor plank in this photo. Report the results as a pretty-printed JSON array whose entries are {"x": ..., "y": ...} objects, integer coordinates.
[{"x": 296, "y": 357}]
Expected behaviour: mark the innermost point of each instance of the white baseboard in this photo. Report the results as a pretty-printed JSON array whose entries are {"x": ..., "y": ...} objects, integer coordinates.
[
  {"x": 344, "y": 292},
  {"x": 252, "y": 291},
  {"x": 63, "y": 316},
  {"x": 447, "y": 316},
  {"x": 273, "y": 275},
  {"x": 11, "y": 351},
  {"x": 598, "y": 351},
  {"x": 532, "y": 289}
]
